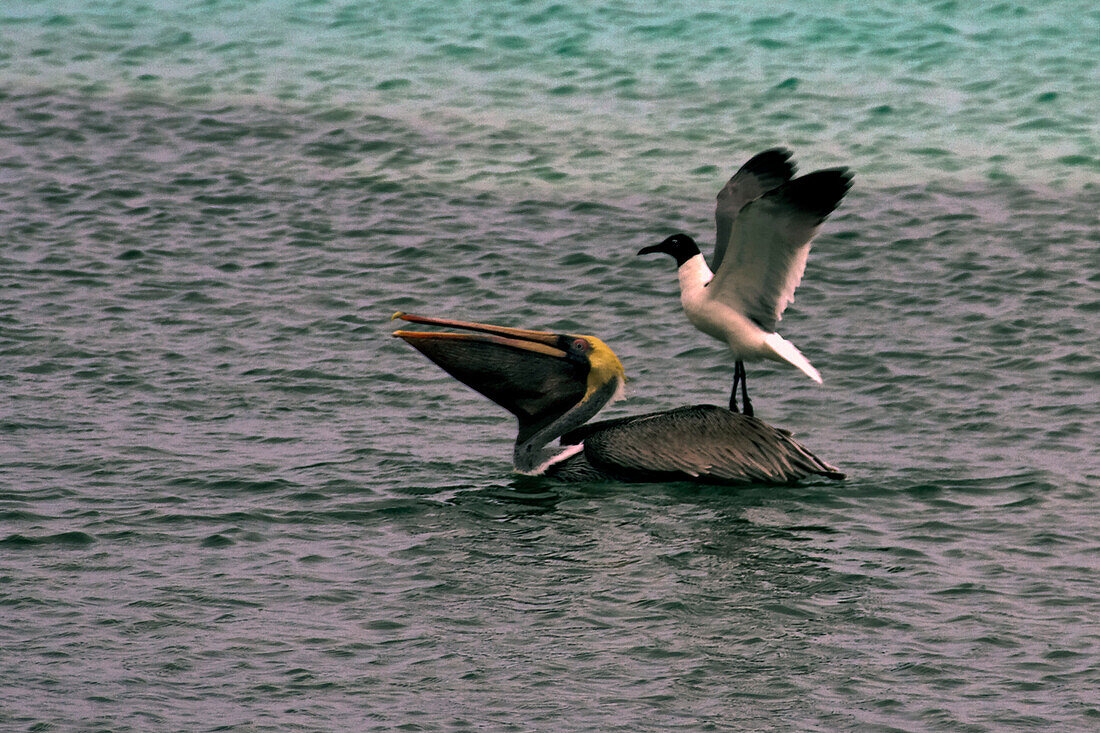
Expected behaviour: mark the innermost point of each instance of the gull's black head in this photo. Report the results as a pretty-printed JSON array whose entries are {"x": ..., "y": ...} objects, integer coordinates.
[{"x": 680, "y": 246}]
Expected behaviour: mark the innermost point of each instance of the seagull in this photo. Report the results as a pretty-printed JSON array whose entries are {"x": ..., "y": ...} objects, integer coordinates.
[{"x": 765, "y": 220}]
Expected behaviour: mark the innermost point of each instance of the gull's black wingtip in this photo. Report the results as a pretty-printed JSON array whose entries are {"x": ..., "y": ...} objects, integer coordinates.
[
  {"x": 771, "y": 163},
  {"x": 817, "y": 193}
]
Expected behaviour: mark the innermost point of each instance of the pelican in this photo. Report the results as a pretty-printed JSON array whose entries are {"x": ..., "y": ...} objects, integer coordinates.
[
  {"x": 765, "y": 221},
  {"x": 555, "y": 383}
]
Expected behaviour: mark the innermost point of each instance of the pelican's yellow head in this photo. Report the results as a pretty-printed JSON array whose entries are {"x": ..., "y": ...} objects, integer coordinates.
[{"x": 603, "y": 367}]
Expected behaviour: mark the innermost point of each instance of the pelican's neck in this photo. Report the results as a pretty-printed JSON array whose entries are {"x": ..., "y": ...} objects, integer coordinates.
[
  {"x": 694, "y": 273},
  {"x": 534, "y": 455}
]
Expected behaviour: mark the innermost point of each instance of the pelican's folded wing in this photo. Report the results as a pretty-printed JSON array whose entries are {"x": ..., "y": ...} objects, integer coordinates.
[
  {"x": 770, "y": 242},
  {"x": 763, "y": 172},
  {"x": 703, "y": 442}
]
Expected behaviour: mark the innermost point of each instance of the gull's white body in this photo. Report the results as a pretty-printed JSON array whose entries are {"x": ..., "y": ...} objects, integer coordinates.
[{"x": 717, "y": 319}]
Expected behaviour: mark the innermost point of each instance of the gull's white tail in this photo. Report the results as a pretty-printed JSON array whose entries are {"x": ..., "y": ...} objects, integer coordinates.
[{"x": 788, "y": 352}]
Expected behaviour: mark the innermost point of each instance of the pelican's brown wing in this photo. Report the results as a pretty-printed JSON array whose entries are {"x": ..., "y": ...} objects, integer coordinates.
[{"x": 700, "y": 443}]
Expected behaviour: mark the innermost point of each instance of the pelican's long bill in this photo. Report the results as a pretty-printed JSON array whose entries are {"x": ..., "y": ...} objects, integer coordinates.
[{"x": 536, "y": 375}]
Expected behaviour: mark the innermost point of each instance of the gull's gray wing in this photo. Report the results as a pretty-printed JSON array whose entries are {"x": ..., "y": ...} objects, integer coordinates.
[
  {"x": 763, "y": 172},
  {"x": 700, "y": 443},
  {"x": 770, "y": 241}
]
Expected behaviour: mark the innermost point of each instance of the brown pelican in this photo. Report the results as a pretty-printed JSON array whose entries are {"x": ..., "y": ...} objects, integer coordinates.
[
  {"x": 765, "y": 222},
  {"x": 555, "y": 383}
]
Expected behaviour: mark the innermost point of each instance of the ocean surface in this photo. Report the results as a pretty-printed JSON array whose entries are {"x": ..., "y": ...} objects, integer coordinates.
[{"x": 229, "y": 500}]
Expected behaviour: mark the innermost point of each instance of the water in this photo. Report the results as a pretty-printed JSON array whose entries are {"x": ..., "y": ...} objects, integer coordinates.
[{"x": 229, "y": 500}]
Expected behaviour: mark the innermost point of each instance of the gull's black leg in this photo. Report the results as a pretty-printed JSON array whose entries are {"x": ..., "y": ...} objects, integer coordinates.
[
  {"x": 746, "y": 406},
  {"x": 736, "y": 379}
]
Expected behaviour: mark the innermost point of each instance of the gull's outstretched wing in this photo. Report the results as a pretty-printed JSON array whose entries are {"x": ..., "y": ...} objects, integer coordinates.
[
  {"x": 770, "y": 241},
  {"x": 703, "y": 442},
  {"x": 763, "y": 172}
]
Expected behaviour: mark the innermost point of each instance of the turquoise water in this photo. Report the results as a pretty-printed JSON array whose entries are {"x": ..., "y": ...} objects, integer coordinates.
[
  {"x": 540, "y": 94},
  {"x": 229, "y": 500}
]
